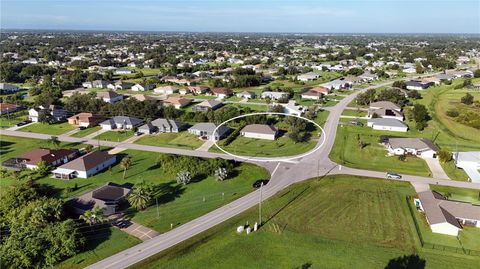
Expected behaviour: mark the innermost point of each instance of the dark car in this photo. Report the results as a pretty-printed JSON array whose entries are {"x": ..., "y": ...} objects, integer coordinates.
[
  {"x": 82, "y": 128},
  {"x": 259, "y": 183},
  {"x": 356, "y": 122},
  {"x": 20, "y": 124}
]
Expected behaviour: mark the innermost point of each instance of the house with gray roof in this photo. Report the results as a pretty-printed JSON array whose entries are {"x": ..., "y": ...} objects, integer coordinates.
[
  {"x": 260, "y": 131},
  {"x": 447, "y": 217},
  {"x": 85, "y": 166},
  {"x": 207, "y": 105},
  {"x": 386, "y": 124},
  {"x": 163, "y": 126},
  {"x": 420, "y": 147},
  {"x": 121, "y": 122},
  {"x": 274, "y": 95},
  {"x": 106, "y": 197},
  {"x": 205, "y": 130}
]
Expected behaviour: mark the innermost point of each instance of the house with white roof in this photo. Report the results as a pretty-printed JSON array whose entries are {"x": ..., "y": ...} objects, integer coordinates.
[{"x": 470, "y": 162}]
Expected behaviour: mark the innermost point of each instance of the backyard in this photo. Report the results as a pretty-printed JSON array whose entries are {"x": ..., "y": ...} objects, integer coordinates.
[{"x": 296, "y": 233}]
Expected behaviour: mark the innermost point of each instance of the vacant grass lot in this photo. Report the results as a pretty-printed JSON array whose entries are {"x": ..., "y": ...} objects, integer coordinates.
[
  {"x": 373, "y": 156},
  {"x": 183, "y": 140},
  {"x": 115, "y": 136},
  {"x": 337, "y": 222},
  {"x": 283, "y": 146},
  {"x": 45, "y": 128},
  {"x": 100, "y": 245},
  {"x": 85, "y": 132},
  {"x": 355, "y": 113},
  {"x": 12, "y": 119}
]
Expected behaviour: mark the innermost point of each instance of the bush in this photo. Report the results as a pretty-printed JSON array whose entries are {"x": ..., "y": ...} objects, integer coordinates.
[{"x": 452, "y": 113}]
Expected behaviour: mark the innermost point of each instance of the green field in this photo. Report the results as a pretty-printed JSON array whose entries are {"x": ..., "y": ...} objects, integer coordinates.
[
  {"x": 45, "y": 128},
  {"x": 283, "y": 146},
  {"x": 459, "y": 194},
  {"x": 453, "y": 172},
  {"x": 85, "y": 132},
  {"x": 115, "y": 136},
  {"x": 355, "y": 113},
  {"x": 12, "y": 119},
  {"x": 336, "y": 222},
  {"x": 183, "y": 140},
  {"x": 100, "y": 245},
  {"x": 373, "y": 156}
]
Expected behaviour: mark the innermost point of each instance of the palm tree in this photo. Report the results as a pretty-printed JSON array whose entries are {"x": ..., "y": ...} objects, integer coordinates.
[
  {"x": 139, "y": 198},
  {"x": 125, "y": 165},
  {"x": 93, "y": 216},
  {"x": 54, "y": 141}
]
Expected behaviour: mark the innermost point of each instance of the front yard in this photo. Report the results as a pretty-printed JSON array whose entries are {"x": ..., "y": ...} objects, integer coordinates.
[
  {"x": 87, "y": 131},
  {"x": 183, "y": 140},
  {"x": 115, "y": 136},
  {"x": 45, "y": 128}
]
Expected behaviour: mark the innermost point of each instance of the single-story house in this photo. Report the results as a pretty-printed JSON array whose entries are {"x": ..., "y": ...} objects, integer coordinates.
[
  {"x": 206, "y": 105},
  {"x": 106, "y": 197},
  {"x": 385, "y": 113},
  {"x": 163, "y": 126},
  {"x": 198, "y": 89},
  {"x": 124, "y": 71},
  {"x": 308, "y": 76},
  {"x": 166, "y": 90},
  {"x": 292, "y": 109},
  {"x": 246, "y": 95},
  {"x": 337, "y": 84},
  {"x": 6, "y": 108},
  {"x": 387, "y": 124},
  {"x": 120, "y": 85},
  {"x": 31, "y": 159},
  {"x": 315, "y": 93},
  {"x": 177, "y": 102},
  {"x": 143, "y": 97},
  {"x": 142, "y": 87},
  {"x": 274, "y": 95},
  {"x": 85, "y": 119},
  {"x": 109, "y": 97},
  {"x": 85, "y": 166},
  {"x": 470, "y": 162},
  {"x": 420, "y": 147},
  {"x": 418, "y": 85},
  {"x": 367, "y": 76},
  {"x": 121, "y": 122},
  {"x": 100, "y": 83},
  {"x": 444, "y": 216},
  {"x": 8, "y": 88},
  {"x": 260, "y": 131},
  {"x": 222, "y": 92},
  {"x": 386, "y": 105},
  {"x": 206, "y": 131}
]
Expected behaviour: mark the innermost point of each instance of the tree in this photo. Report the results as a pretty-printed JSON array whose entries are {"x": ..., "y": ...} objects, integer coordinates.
[
  {"x": 444, "y": 156},
  {"x": 93, "y": 216},
  {"x": 184, "y": 177},
  {"x": 125, "y": 165},
  {"x": 414, "y": 94},
  {"x": 54, "y": 141},
  {"x": 221, "y": 174},
  {"x": 467, "y": 99},
  {"x": 476, "y": 74},
  {"x": 89, "y": 148},
  {"x": 419, "y": 68},
  {"x": 400, "y": 84},
  {"x": 42, "y": 168},
  {"x": 420, "y": 116},
  {"x": 139, "y": 197}
]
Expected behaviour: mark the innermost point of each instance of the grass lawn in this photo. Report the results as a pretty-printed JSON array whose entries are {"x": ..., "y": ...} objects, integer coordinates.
[
  {"x": 336, "y": 222},
  {"x": 453, "y": 172},
  {"x": 11, "y": 120},
  {"x": 448, "y": 133},
  {"x": 355, "y": 113},
  {"x": 253, "y": 107},
  {"x": 115, "y": 136},
  {"x": 347, "y": 151},
  {"x": 100, "y": 246},
  {"x": 11, "y": 146},
  {"x": 182, "y": 140},
  {"x": 283, "y": 146},
  {"x": 45, "y": 128},
  {"x": 322, "y": 117},
  {"x": 85, "y": 132},
  {"x": 459, "y": 194}
]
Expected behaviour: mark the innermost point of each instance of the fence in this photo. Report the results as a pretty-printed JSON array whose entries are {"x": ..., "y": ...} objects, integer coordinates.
[{"x": 440, "y": 247}]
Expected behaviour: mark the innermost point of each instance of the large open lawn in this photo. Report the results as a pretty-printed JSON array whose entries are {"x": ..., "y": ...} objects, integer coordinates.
[
  {"x": 12, "y": 119},
  {"x": 373, "y": 156},
  {"x": 336, "y": 222},
  {"x": 283, "y": 146},
  {"x": 99, "y": 245},
  {"x": 45, "y": 128},
  {"x": 183, "y": 140},
  {"x": 115, "y": 136},
  {"x": 87, "y": 131}
]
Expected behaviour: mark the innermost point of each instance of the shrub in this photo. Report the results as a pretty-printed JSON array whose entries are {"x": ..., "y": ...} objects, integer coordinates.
[{"x": 452, "y": 113}]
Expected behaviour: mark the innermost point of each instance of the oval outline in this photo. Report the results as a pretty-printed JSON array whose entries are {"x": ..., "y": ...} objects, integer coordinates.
[{"x": 272, "y": 159}]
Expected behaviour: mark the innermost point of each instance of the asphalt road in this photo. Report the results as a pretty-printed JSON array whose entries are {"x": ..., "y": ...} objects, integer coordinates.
[{"x": 283, "y": 174}]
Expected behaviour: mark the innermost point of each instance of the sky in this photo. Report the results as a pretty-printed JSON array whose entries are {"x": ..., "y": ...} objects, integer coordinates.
[{"x": 327, "y": 16}]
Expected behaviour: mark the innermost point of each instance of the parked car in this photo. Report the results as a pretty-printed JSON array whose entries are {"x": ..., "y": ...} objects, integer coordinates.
[
  {"x": 392, "y": 175},
  {"x": 356, "y": 122},
  {"x": 138, "y": 133},
  {"x": 82, "y": 128},
  {"x": 18, "y": 124},
  {"x": 259, "y": 183}
]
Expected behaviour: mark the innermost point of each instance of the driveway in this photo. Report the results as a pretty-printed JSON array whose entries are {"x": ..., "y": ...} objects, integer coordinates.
[
  {"x": 139, "y": 231},
  {"x": 206, "y": 146},
  {"x": 436, "y": 168},
  {"x": 14, "y": 128}
]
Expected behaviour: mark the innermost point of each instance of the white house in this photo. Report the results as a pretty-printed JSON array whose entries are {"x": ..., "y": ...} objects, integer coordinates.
[
  {"x": 121, "y": 122},
  {"x": 274, "y": 95},
  {"x": 142, "y": 87},
  {"x": 308, "y": 76},
  {"x": 393, "y": 125},
  {"x": 470, "y": 163},
  {"x": 246, "y": 95},
  {"x": 8, "y": 88},
  {"x": 109, "y": 97},
  {"x": 124, "y": 71},
  {"x": 419, "y": 147},
  {"x": 260, "y": 131},
  {"x": 166, "y": 90},
  {"x": 85, "y": 166}
]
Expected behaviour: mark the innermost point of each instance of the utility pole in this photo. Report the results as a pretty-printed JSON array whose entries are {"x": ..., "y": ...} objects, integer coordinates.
[{"x": 260, "y": 206}]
